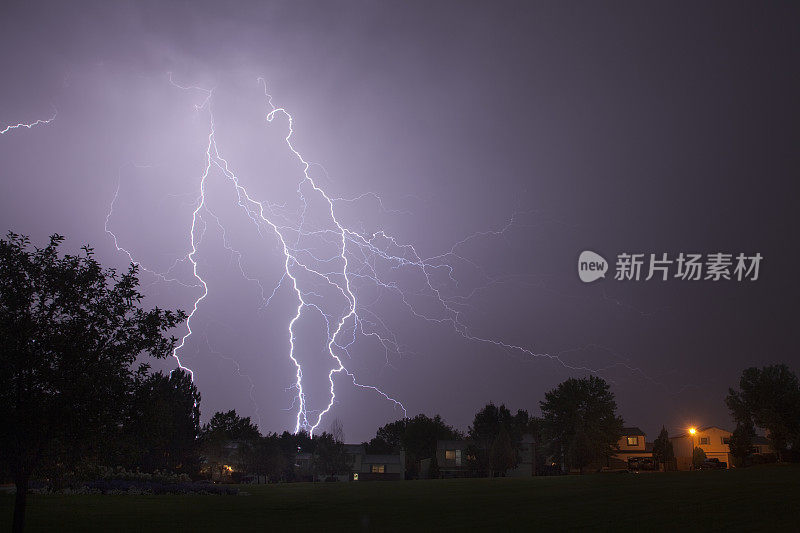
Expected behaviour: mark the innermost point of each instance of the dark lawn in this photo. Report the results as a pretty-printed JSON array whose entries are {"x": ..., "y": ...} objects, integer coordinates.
[{"x": 758, "y": 498}]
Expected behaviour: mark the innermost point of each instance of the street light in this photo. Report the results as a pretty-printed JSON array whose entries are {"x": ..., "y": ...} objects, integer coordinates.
[{"x": 692, "y": 431}]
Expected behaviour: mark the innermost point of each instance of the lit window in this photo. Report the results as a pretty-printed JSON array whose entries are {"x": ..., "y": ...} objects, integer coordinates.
[
  {"x": 355, "y": 476},
  {"x": 633, "y": 441},
  {"x": 450, "y": 455},
  {"x": 704, "y": 440},
  {"x": 458, "y": 457},
  {"x": 378, "y": 469}
]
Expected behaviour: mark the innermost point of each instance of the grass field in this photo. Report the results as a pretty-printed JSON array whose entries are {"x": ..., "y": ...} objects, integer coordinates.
[{"x": 758, "y": 498}]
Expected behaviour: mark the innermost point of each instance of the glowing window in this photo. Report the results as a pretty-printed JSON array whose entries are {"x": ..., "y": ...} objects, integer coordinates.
[
  {"x": 450, "y": 455},
  {"x": 378, "y": 469},
  {"x": 355, "y": 476},
  {"x": 633, "y": 441}
]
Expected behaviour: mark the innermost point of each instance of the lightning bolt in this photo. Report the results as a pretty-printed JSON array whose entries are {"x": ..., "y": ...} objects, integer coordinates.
[
  {"x": 356, "y": 257},
  {"x": 29, "y": 125}
]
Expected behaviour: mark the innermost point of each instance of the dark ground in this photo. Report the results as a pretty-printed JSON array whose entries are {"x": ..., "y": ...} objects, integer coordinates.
[{"x": 758, "y": 498}]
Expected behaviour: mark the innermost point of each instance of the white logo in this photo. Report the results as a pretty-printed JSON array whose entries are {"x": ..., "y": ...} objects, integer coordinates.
[{"x": 591, "y": 266}]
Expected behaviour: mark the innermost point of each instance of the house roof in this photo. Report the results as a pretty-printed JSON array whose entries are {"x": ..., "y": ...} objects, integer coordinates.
[
  {"x": 442, "y": 444},
  {"x": 354, "y": 449},
  {"x": 700, "y": 430},
  {"x": 381, "y": 459},
  {"x": 632, "y": 431}
]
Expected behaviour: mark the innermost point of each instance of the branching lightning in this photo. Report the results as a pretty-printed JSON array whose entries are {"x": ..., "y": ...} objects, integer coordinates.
[
  {"x": 350, "y": 257},
  {"x": 30, "y": 124}
]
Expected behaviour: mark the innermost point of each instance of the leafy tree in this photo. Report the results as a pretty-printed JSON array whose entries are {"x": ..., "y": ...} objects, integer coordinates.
[
  {"x": 741, "y": 443},
  {"x": 698, "y": 457},
  {"x": 536, "y": 429},
  {"x": 70, "y": 333},
  {"x": 663, "y": 452},
  {"x": 502, "y": 454},
  {"x": 769, "y": 398},
  {"x": 329, "y": 456},
  {"x": 391, "y": 436},
  {"x": 274, "y": 455},
  {"x": 164, "y": 423},
  {"x": 417, "y": 437},
  {"x": 580, "y": 419},
  {"x": 337, "y": 430},
  {"x": 433, "y": 470},
  {"x": 487, "y": 427},
  {"x": 229, "y": 440}
]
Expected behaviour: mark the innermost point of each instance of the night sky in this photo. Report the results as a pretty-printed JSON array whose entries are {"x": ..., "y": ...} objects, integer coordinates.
[{"x": 502, "y": 139}]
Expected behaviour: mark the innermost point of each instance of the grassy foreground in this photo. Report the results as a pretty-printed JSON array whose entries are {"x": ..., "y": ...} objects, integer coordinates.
[{"x": 758, "y": 498}]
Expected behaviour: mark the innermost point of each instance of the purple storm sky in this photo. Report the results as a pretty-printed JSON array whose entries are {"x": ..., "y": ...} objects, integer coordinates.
[{"x": 502, "y": 140}]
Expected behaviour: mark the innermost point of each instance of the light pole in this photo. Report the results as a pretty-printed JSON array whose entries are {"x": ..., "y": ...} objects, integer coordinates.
[{"x": 692, "y": 431}]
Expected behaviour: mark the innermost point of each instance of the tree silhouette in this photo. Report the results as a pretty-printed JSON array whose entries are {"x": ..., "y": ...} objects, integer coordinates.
[
  {"x": 580, "y": 418},
  {"x": 698, "y": 457},
  {"x": 486, "y": 429},
  {"x": 163, "y": 424},
  {"x": 770, "y": 399},
  {"x": 741, "y": 443},
  {"x": 70, "y": 332},
  {"x": 663, "y": 452},
  {"x": 416, "y": 436},
  {"x": 228, "y": 440},
  {"x": 502, "y": 454}
]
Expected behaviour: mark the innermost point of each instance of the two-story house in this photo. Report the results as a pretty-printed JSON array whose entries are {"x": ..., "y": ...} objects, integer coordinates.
[
  {"x": 632, "y": 445},
  {"x": 712, "y": 440}
]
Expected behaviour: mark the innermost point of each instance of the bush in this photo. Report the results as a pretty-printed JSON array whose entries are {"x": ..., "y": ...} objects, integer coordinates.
[
  {"x": 698, "y": 457},
  {"x": 124, "y": 486}
]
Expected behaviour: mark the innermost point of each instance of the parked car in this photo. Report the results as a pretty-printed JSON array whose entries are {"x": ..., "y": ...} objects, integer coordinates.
[
  {"x": 713, "y": 464},
  {"x": 641, "y": 463}
]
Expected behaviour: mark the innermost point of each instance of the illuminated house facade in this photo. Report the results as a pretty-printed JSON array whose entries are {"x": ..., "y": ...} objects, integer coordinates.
[
  {"x": 632, "y": 445},
  {"x": 712, "y": 440}
]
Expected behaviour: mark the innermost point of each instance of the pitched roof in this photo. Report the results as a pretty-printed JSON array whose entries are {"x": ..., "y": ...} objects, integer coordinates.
[
  {"x": 632, "y": 431},
  {"x": 699, "y": 430},
  {"x": 385, "y": 458}
]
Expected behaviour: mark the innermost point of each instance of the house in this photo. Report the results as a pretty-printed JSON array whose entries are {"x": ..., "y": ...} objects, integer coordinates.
[
  {"x": 455, "y": 458},
  {"x": 762, "y": 445},
  {"x": 374, "y": 467},
  {"x": 632, "y": 445},
  {"x": 361, "y": 466},
  {"x": 451, "y": 458},
  {"x": 712, "y": 440}
]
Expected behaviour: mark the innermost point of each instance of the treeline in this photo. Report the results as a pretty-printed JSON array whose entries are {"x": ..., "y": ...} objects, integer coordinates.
[
  {"x": 579, "y": 427},
  {"x": 74, "y": 399}
]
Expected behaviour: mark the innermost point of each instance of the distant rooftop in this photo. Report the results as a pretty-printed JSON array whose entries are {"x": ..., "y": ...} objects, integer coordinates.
[{"x": 632, "y": 431}]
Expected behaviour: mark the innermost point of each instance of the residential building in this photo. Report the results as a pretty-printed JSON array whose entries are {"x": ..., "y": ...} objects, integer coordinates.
[
  {"x": 762, "y": 445},
  {"x": 361, "y": 466},
  {"x": 455, "y": 458},
  {"x": 374, "y": 467},
  {"x": 712, "y": 440},
  {"x": 632, "y": 449},
  {"x": 451, "y": 458}
]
